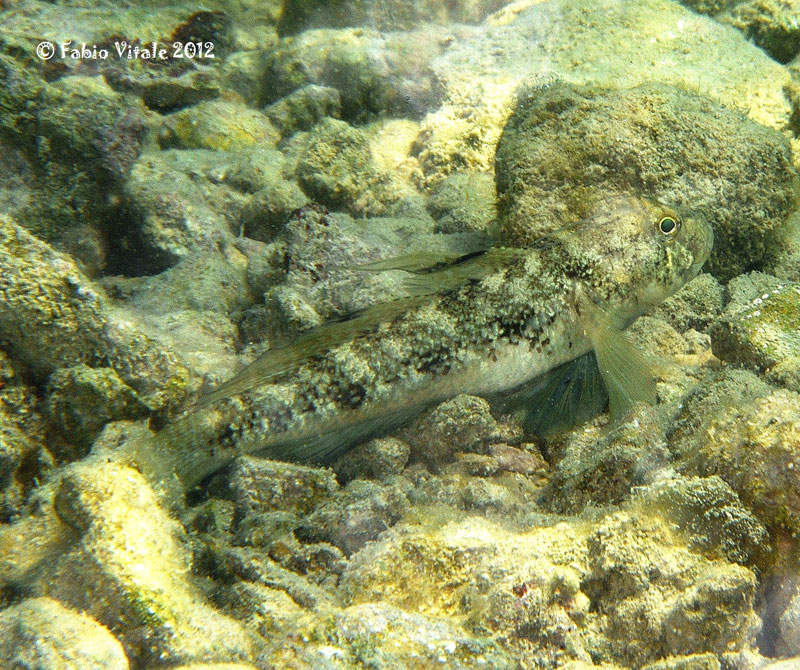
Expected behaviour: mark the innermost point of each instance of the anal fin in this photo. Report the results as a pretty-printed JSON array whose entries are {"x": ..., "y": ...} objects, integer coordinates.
[{"x": 325, "y": 446}]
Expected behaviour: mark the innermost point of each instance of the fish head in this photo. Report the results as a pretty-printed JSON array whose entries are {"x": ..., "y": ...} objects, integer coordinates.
[{"x": 632, "y": 253}]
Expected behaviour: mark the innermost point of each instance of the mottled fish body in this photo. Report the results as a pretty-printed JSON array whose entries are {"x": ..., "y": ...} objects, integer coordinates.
[{"x": 483, "y": 324}]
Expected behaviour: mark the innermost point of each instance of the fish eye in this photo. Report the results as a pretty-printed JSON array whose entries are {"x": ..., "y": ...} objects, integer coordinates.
[{"x": 668, "y": 225}]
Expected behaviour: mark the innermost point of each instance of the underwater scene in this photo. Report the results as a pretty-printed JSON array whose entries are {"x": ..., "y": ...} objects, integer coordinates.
[{"x": 399, "y": 334}]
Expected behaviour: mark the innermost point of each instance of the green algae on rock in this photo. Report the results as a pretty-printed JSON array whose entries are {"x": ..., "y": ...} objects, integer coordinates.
[
  {"x": 771, "y": 24},
  {"x": 268, "y": 209},
  {"x": 710, "y": 513},
  {"x": 359, "y": 514},
  {"x": 183, "y": 202},
  {"x": 461, "y": 424},
  {"x": 623, "y": 45},
  {"x": 300, "y": 15},
  {"x": 621, "y": 590},
  {"x": 42, "y": 288},
  {"x": 24, "y": 457},
  {"x": 259, "y": 485},
  {"x": 206, "y": 281},
  {"x": 707, "y": 608},
  {"x": 304, "y": 108},
  {"x": 42, "y": 633},
  {"x": 384, "y": 636},
  {"x": 377, "y": 459},
  {"x": 764, "y": 335},
  {"x": 22, "y": 461},
  {"x": 77, "y": 168},
  {"x": 130, "y": 569},
  {"x": 52, "y": 316},
  {"x": 706, "y": 661},
  {"x": 337, "y": 170},
  {"x": 373, "y": 72},
  {"x": 601, "y": 470},
  {"x": 464, "y": 202},
  {"x": 217, "y": 125},
  {"x": 695, "y": 305},
  {"x": 81, "y": 400},
  {"x": 740, "y": 428},
  {"x": 709, "y": 7},
  {"x": 566, "y": 147}
]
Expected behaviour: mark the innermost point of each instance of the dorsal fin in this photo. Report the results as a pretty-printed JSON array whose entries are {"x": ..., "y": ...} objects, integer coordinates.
[
  {"x": 277, "y": 362},
  {"x": 468, "y": 268},
  {"x": 423, "y": 261},
  {"x": 437, "y": 272},
  {"x": 446, "y": 273}
]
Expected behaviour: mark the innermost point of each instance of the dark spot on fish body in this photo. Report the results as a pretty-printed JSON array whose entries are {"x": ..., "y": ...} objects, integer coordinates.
[
  {"x": 351, "y": 396},
  {"x": 280, "y": 423},
  {"x": 229, "y": 437},
  {"x": 276, "y": 420},
  {"x": 431, "y": 365},
  {"x": 428, "y": 359}
]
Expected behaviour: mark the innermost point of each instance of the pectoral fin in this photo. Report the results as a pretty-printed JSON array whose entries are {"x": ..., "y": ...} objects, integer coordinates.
[{"x": 626, "y": 372}]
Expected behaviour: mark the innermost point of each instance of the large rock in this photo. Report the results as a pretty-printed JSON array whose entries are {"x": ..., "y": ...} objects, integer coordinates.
[
  {"x": 52, "y": 316},
  {"x": 72, "y": 170},
  {"x": 129, "y": 568},
  {"x": 301, "y": 15},
  {"x": 41, "y": 633},
  {"x": 373, "y": 72},
  {"x": 743, "y": 430},
  {"x": 761, "y": 332},
  {"x": 625, "y": 589},
  {"x": 771, "y": 24},
  {"x": 564, "y": 149},
  {"x": 219, "y": 126},
  {"x": 621, "y": 46}
]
